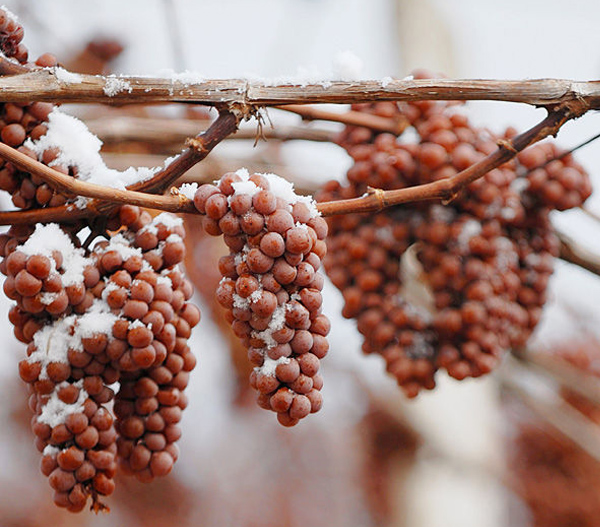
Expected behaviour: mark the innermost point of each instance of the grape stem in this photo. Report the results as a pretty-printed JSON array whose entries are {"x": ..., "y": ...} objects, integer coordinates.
[{"x": 197, "y": 149}]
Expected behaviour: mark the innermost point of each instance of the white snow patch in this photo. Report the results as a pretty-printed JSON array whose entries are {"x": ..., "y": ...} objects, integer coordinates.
[
  {"x": 47, "y": 298},
  {"x": 470, "y": 229},
  {"x": 114, "y": 85},
  {"x": 174, "y": 238},
  {"x": 277, "y": 322},
  {"x": 168, "y": 220},
  {"x": 50, "y": 237},
  {"x": 51, "y": 450},
  {"x": 270, "y": 365},
  {"x": 240, "y": 302},
  {"x": 385, "y": 81},
  {"x": 80, "y": 148},
  {"x": 53, "y": 341},
  {"x": 121, "y": 245},
  {"x": 163, "y": 279},
  {"x": 519, "y": 185},
  {"x": 65, "y": 76},
  {"x": 188, "y": 189},
  {"x": 56, "y": 411}
]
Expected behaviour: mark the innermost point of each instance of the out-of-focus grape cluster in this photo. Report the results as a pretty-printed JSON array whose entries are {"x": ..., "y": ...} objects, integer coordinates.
[
  {"x": 270, "y": 286},
  {"x": 556, "y": 479},
  {"x": 446, "y": 286}
]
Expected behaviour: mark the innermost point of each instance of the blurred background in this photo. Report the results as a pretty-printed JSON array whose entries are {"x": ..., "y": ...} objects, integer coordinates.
[{"x": 474, "y": 453}]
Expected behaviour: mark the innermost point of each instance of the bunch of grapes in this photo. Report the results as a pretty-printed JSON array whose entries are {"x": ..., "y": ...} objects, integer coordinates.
[
  {"x": 450, "y": 286},
  {"x": 117, "y": 312},
  {"x": 270, "y": 287},
  {"x": 21, "y": 123}
]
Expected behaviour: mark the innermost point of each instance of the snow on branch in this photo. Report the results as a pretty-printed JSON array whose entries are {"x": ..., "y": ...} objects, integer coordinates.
[{"x": 53, "y": 84}]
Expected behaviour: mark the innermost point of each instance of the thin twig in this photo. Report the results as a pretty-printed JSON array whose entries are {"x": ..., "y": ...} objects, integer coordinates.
[
  {"x": 198, "y": 148},
  {"x": 575, "y": 379},
  {"x": 71, "y": 185},
  {"x": 46, "y": 85},
  {"x": 375, "y": 122},
  {"x": 62, "y": 214},
  {"x": 447, "y": 189},
  {"x": 174, "y": 131},
  {"x": 559, "y": 414},
  {"x": 575, "y": 253}
]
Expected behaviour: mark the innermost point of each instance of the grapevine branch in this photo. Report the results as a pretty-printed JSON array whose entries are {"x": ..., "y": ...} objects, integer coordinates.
[
  {"x": 374, "y": 122},
  {"x": 70, "y": 185},
  {"x": 447, "y": 189},
  {"x": 574, "y": 253},
  {"x": 173, "y": 131},
  {"x": 50, "y": 84},
  {"x": 376, "y": 200},
  {"x": 138, "y": 194},
  {"x": 581, "y": 382},
  {"x": 198, "y": 148}
]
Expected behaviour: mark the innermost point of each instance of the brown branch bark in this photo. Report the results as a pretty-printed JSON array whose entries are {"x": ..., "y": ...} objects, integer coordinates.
[
  {"x": 174, "y": 131},
  {"x": 377, "y": 200},
  {"x": 198, "y": 148},
  {"x": 447, "y": 189},
  {"x": 62, "y": 214},
  {"x": 574, "y": 253},
  {"x": 70, "y": 185},
  {"x": 575, "y": 379},
  {"x": 45, "y": 85},
  {"x": 374, "y": 122}
]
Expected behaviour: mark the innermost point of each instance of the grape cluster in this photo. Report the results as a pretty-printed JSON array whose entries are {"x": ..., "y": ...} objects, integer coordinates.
[
  {"x": 150, "y": 338},
  {"x": 11, "y": 35},
  {"x": 22, "y": 121},
  {"x": 545, "y": 464},
  {"x": 117, "y": 312},
  {"x": 451, "y": 286},
  {"x": 270, "y": 287}
]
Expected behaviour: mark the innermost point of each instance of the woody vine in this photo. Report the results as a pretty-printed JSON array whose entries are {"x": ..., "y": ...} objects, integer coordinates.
[{"x": 462, "y": 214}]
